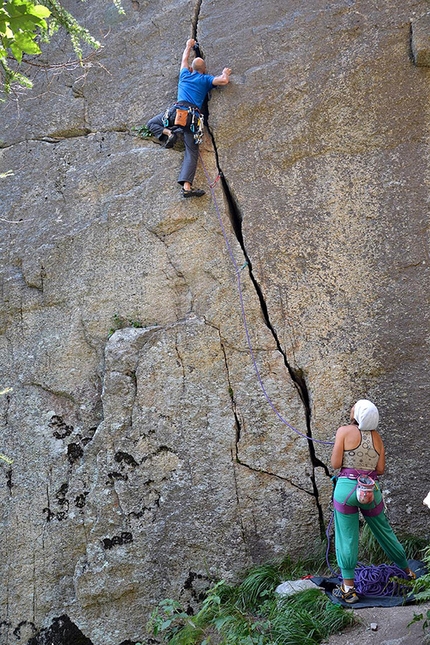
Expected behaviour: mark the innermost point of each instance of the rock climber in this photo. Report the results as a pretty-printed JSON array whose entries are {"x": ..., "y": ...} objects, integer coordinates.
[
  {"x": 359, "y": 453},
  {"x": 193, "y": 87}
]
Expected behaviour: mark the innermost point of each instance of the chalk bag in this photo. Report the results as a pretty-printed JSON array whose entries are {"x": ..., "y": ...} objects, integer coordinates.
[
  {"x": 365, "y": 489},
  {"x": 181, "y": 117}
]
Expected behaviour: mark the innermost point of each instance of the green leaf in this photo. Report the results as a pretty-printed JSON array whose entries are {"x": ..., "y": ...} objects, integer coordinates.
[
  {"x": 40, "y": 11},
  {"x": 16, "y": 51},
  {"x": 26, "y": 23},
  {"x": 26, "y": 43}
]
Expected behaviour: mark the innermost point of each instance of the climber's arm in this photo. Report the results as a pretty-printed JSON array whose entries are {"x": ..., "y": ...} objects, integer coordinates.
[
  {"x": 186, "y": 54},
  {"x": 224, "y": 78}
]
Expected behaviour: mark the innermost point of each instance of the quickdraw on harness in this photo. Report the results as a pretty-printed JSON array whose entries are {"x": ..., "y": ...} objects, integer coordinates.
[
  {"x": 197, "y": 125},
  {"x": 193, "y": 118}
]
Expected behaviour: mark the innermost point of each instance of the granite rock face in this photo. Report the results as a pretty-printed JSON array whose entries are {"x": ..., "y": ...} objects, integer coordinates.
[{"x": 163, "y": 360}]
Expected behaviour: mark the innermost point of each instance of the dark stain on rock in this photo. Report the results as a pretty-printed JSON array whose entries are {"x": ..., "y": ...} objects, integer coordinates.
[
  {"x": 116, "y": 476},
  {"x": 81, "y": 500},
  {"x": 117, "y": 540},
  {"x": 62, "y": 430},
  {"x": 74, "y": 452},
  {"x": 61, "y": 632},
  {"x": 124, "y": 457},
  {"x": 23, "y": 623}
]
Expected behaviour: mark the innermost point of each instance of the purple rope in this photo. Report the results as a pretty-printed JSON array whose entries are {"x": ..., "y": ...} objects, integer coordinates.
[
  {"x": 245, "y": 324},
  {"x": 375, "y": 580}
]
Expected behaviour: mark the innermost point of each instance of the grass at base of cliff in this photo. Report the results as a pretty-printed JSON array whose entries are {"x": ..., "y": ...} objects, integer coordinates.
[{"x": 251, "y": 613}]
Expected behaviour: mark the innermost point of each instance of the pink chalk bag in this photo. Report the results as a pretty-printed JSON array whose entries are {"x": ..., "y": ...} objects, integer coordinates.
[{"x": 365, "y": 489}]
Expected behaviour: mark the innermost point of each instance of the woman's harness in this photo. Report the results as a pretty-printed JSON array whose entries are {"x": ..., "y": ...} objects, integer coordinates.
[
  {"x": 355, "y": 474},
  {"x": 183, "y": 114}
]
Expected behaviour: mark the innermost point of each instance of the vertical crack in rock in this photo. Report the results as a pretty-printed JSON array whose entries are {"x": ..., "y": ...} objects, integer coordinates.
[
  {"x": 195, "y": 18},
  {"x": 296, "y": 374},
  {"x": 238, "y": 426}
]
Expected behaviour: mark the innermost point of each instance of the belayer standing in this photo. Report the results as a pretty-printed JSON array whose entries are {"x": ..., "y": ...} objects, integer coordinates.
[
  {"x": 186, "y": 116},
  {"x": 359, "y": 453}
]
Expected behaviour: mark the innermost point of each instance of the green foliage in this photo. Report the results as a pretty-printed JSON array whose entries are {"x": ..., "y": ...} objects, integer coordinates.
[
  {"x": 168, "y": 619},
  {"x": 421, "y": 586},
  {"x": 142, "y": 131},
  {"x": 119, "y": 322},
  {"x": 24, "y": 25},
  {"x": 62, "y": 18},
  {"x": 253, "y": 614},
  {"x": 422, "y": 617},
  {"x": 421, "y": 591},
  {"x": 19, "y": 21},
  {"x": 414, "y": 546}
]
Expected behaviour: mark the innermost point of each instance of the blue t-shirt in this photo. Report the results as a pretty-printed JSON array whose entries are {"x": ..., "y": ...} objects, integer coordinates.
[{"x": 193, "y": 86}]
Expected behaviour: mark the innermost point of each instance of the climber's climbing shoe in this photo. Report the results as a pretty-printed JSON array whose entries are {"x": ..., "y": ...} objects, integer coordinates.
[
  {"x": 193, "y": 192},
  {"x": 349, "y": 596}
]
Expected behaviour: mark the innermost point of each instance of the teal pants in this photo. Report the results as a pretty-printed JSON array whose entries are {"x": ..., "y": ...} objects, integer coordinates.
[{"x": 347, "y": 528}]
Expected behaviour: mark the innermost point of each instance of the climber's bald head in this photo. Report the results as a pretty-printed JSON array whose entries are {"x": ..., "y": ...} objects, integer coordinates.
[{"x": 199, "y": 65}]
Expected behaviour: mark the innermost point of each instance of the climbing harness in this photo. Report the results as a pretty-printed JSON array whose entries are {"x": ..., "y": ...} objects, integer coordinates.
[
  {"x": 237, "y": 270},
  {"x": 366, "y": 482},
  {"x": 182, "y": 116}
]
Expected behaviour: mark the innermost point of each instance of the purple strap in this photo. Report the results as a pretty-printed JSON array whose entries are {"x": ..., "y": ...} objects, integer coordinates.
[
  {"x": 353, "y": 473},
  {"x": 368, "y": 512},
  {"x": 371, "y": 512},
  {"x": 344, "y": 508}
]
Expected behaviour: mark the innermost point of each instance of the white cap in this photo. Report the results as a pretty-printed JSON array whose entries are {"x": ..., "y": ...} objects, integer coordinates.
[{"x": 366, "y": 414}]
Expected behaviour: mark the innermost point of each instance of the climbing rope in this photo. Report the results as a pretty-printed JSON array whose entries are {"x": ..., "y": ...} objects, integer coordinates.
[
  {"x": 377, "y": 580},
  {"x": 238, "y": 270}
]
